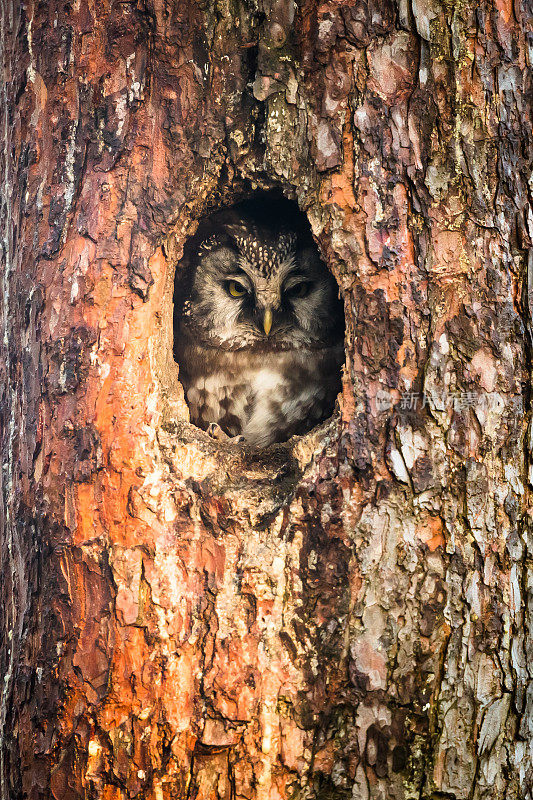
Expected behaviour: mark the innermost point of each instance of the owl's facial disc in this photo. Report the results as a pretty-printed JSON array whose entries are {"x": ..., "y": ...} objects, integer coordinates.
[
  {"x": 254, "y": 290},
  {"x": 273, "y": 305}
]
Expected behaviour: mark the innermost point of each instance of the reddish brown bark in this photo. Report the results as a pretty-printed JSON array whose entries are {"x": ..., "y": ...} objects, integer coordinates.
[{"x": 347, "y": 616}]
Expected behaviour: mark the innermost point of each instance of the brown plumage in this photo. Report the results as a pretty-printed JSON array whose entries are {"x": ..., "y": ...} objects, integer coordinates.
[{"x": 259, "y": 331}]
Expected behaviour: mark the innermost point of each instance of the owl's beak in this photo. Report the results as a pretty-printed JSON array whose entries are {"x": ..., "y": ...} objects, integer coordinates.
[{"x": 267, "y": 320}]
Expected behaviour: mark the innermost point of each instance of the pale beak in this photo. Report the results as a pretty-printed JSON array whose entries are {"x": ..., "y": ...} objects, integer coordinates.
[{"x": 267, "y": 320}]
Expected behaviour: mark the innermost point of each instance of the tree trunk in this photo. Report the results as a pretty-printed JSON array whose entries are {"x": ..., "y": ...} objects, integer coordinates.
[{"x": 347, "y": 615}]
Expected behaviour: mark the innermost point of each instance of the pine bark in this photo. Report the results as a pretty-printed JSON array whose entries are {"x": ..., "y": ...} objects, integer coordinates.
[{"x": 349, "y": 615}]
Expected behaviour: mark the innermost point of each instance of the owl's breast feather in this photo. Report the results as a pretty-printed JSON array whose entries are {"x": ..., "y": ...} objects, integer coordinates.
[{"x": 265, "y": 396}]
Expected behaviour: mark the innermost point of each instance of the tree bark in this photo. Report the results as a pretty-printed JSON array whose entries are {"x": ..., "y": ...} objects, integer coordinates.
[{"x": 348, "y": 615}]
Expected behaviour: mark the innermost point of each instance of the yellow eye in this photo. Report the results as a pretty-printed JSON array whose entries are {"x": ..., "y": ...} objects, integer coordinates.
[
  {"x": 236, "y": 289},
  {"x": 300, "y": 289}
]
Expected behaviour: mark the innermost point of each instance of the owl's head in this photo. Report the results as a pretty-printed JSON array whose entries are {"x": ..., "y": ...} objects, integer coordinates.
[{"x": 258, "y": 281}]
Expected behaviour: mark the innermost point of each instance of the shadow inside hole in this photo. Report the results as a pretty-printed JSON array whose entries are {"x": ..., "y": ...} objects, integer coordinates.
[{"x": 258, "y": 324}]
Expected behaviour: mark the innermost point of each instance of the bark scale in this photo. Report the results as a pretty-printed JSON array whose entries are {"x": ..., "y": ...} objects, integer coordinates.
[{"x": 348, "y": 616}]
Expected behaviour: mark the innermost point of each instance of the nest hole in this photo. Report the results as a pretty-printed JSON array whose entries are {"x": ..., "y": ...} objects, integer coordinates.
[{"x": 258, "y": 324}]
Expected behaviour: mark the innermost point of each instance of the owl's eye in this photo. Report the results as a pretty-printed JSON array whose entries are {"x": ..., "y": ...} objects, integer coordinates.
[
  {"x": 300, "y": 289},
  {"x": 236, "y": 289}
]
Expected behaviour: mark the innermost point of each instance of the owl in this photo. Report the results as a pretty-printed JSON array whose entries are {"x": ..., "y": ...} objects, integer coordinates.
[{"x": 260, "y": 328}]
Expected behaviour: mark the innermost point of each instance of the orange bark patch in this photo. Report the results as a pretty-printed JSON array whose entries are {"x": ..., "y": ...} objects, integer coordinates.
[{"x": 431, "y": 531}]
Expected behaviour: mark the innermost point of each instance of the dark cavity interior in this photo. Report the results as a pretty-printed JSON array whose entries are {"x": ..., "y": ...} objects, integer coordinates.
[{"x": 258, "y": 324}]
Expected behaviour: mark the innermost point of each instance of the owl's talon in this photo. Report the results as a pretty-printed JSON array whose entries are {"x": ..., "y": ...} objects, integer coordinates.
[{"x": 215, "y": 432}]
